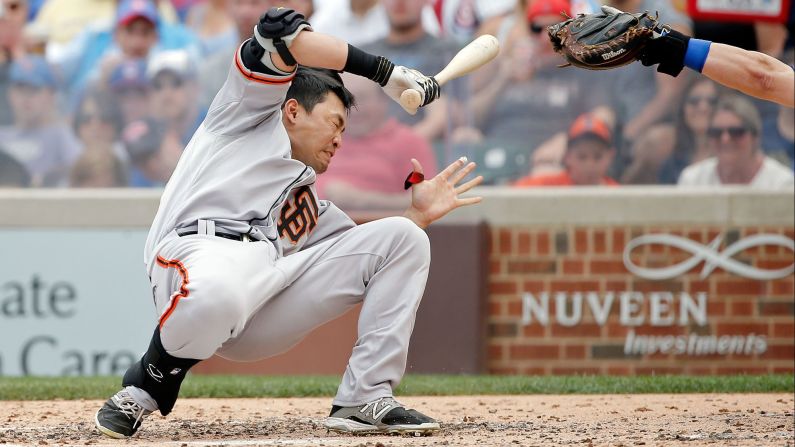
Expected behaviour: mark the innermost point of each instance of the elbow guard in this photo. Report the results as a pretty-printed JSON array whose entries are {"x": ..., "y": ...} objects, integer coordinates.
[{"x": 276, "y": 30}]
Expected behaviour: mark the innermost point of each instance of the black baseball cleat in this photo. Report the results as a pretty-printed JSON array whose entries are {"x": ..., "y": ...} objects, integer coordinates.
[
  {"x": 385, "y": 415},
  {"x": 120, "y": 417}
]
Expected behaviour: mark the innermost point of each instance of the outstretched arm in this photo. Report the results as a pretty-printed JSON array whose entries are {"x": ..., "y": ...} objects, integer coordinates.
[
  {"x": 283, "y": 39},
  {"x": 752, "y": 73}
]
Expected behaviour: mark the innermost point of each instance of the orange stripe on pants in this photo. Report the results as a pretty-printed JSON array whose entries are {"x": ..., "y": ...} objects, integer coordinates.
[{"x": 183, "y": 288}]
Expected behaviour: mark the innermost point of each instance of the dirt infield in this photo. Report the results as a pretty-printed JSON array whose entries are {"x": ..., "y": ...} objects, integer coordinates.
[{"x": 588, "y": 420}]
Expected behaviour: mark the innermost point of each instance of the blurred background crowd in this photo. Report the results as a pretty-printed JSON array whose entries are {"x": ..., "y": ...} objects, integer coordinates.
[{"x": 107, "y": 93}]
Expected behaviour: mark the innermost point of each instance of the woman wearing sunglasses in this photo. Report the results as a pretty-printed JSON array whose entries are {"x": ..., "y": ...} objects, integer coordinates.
[
  {"x": 103, "y": 162},
  {"x": 734, "y": 134},
  {"x": 661, "y": 153}
]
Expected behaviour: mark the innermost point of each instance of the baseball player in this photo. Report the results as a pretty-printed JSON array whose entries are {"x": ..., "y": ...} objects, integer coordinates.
[
  {"x": 245, "y": 260},
  {"x": 753, "y": 73}
]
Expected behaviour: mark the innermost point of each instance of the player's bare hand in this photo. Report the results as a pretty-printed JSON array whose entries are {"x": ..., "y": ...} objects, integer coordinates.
[{"x": 434, "y": 198}]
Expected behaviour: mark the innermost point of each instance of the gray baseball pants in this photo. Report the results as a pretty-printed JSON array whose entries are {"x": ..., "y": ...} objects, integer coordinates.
[{"x": 241, "y": 301}]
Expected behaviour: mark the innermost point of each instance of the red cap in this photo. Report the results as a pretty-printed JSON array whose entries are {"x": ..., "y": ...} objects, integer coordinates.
[
  {"x": 590, "y": 125},
  {"x": 547, "y": 7},
  {"x": 129, "y": 10}
]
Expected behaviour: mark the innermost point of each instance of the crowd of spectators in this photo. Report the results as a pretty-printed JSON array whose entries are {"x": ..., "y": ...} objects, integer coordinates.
[{"x": 107, "y": 93}]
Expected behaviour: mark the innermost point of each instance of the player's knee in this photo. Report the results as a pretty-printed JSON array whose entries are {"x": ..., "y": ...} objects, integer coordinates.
[
  {"x": 406, "y": 233},
  {"x": 211, "y": 322}
]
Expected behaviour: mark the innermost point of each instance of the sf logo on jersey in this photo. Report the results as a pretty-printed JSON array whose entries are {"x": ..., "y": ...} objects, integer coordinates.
[{"x": 299, "y": 215}]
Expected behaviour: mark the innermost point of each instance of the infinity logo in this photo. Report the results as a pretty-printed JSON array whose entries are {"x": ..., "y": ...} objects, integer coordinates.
[{"x": 710, "y": 255}]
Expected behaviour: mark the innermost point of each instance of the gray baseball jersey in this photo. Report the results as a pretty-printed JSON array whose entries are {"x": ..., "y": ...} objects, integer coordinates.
[
  {"x": 309, "y": 262},
  {"x": 237, "y": 171}
]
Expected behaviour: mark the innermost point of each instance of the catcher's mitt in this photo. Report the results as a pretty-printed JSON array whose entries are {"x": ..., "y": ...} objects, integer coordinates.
[{"x": 609, "y": 39}]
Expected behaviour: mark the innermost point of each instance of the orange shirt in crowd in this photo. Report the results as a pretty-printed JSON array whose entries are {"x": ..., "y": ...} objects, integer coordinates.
[{"x": 561, "y": 179}]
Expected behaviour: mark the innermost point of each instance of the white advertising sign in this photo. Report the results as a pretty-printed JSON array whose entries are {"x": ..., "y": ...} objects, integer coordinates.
[
  {"x": 762, "y": 7},
  {"x": 73, "y": 302},
  {"x": 663, "y": 308}
]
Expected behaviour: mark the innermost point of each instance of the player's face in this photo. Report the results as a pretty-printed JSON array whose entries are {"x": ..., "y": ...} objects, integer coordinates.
[
  {"x": 587, "y": 161},
  {"x": 733, "y": 141},
  {"x": 316, "y": 136}
]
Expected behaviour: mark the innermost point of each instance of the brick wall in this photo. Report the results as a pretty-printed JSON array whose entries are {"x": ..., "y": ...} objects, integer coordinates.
[{"x": 538, "y": 260}]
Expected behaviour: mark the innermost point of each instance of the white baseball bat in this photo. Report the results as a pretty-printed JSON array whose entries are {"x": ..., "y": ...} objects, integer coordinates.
[{"x": 471, "y": 57}]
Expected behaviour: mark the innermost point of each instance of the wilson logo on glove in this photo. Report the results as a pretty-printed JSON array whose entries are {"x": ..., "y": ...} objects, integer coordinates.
[
  {"x": 608, "y": 39},
  {"x": 613, "y": 54}
]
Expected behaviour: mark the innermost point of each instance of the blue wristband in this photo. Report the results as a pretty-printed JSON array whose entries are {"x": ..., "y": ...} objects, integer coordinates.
[{"x": 696, "y": 54}]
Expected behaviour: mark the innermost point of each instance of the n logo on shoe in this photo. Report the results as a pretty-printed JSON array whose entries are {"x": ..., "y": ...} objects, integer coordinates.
[
  {"x": 376, "y": 412},
  {"x": 154, "y": 372}
]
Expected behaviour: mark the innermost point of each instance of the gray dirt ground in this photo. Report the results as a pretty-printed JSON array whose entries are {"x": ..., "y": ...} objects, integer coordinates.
[{"x": 590, "y": 420}]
